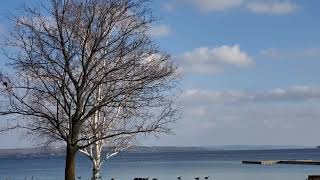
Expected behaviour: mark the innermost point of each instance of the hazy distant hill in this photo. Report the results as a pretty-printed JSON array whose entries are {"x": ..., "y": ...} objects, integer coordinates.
[
  {"x": 61, "y": 150},
  {"x": 261, "y": 147},
  {"x": 141, "y": 149},
  {"x": 33, "y": 151}
]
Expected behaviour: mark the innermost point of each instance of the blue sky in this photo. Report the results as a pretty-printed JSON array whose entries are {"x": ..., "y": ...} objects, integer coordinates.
[{"x": 250, "y": 70}]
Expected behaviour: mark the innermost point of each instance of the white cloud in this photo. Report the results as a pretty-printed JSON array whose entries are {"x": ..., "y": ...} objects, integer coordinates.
[
  {"x": 215, "y": 5},
  {"x": 273, "y": 7},
  {"x": 160, "y": 30},
  {"x": 209, "y": 61}
]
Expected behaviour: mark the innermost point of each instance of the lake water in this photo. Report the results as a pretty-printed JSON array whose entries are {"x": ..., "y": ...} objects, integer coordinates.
[{"x": 219, "y": 165}]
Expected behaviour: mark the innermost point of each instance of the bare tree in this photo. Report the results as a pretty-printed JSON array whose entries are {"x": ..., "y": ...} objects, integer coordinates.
[
  {"x": 65, "y": 52},
  {"x": 102, "y": 124},
  {"x": 112, "y": 146}
]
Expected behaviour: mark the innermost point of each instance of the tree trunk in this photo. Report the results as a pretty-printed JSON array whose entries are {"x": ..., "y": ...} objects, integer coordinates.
[
  {"x": 70, "y": 169},
  {"x": 95, "y": 172}
]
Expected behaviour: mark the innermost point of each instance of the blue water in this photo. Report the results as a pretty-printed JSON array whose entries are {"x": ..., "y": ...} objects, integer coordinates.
[{"x": 219, "y": 165}]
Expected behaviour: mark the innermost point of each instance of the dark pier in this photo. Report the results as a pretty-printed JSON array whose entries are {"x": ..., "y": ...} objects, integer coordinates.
[{"x": 270, "y": 162}]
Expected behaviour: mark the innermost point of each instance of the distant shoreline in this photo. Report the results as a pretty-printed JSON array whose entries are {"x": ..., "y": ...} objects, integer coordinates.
[{"x": 60, "y": 150}]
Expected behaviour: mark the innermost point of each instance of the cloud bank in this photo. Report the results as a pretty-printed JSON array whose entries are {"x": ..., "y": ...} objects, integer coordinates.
[
  {"x": 303, "y": 53},
  {"x": 274, "y": 7},
  {"x": 215, "y": 5},
  {"x": 290, "y": 94},
  {"x": 248, "y": 117}
]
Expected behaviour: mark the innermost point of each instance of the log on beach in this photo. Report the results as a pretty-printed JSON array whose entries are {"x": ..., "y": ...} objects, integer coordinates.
[{"x": 314, "y": 177}]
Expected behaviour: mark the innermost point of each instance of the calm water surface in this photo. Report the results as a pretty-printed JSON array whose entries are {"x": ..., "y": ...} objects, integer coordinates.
[{"x": 219, "y": 165}]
